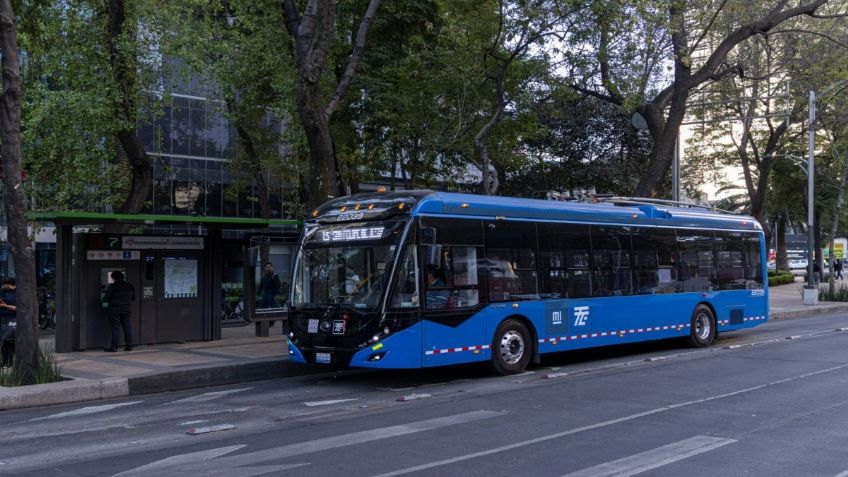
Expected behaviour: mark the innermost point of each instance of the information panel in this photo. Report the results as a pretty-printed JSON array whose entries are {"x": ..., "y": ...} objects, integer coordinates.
[{"x": 180, "y": 278}]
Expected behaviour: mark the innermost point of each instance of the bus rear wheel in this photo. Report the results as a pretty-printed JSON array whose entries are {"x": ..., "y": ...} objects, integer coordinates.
[
  {"x": 512, "y": 347},
  {"x": 702, "y": 329}
]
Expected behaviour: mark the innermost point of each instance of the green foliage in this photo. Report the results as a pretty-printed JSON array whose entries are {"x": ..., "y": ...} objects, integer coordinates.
[
  {"x": 70, "y": 103},
  {"x": 839, "y": 294},
  {"x": 780, "y": 277},
  {"x": 47, "y": 370},
  {"x": 240, "y": 50}
]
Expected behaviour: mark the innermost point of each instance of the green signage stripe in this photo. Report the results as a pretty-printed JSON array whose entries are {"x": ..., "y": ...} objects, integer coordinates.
[{"x": 152, "y": 218}]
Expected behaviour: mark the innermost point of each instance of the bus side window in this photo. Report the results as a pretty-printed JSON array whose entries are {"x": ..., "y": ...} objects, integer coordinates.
[
  {"x": 451, "y": 276},
  {"x": 511, "y": 261},
  {"x": 697, "y": 268},
  {"x": 655, "y": 261},
  {"x": 611, "y": 261},
  {"x": 564, "y": 259}
]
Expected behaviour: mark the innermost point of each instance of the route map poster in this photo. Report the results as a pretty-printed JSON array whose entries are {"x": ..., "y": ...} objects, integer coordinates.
[{"x": 180, "y": 278}]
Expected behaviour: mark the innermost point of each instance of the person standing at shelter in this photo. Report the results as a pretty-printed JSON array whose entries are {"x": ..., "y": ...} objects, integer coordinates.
[
  {"x": 119, "y": 298},
  {"x": 269, "y": 287},
  {"x": 8, "y": 315},
  {"x": 837, "y": 268}
]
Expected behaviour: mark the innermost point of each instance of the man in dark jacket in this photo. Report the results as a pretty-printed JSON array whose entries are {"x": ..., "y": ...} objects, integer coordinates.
[
  {"x": 269, "y": 287},
  {"x": 119, "y": 298}
]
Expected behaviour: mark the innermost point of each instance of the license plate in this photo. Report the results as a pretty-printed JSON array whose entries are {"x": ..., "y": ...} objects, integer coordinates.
[
  {"x": 313, "y": 327},
  {"x": 322, "y": 358}
]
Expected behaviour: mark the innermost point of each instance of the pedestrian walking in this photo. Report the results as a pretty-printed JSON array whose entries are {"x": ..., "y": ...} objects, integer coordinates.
[
  {"x": 837, "y": 268},
  {"x": 118, "y": 299}
]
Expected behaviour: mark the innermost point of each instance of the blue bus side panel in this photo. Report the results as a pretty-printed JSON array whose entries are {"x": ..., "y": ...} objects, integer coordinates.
[
  {"x": 465, "y": 343},
  {"x": 738, "y": 309},
  {"x": 562, "y": 325},
  {"x": 399, "y": 350}
]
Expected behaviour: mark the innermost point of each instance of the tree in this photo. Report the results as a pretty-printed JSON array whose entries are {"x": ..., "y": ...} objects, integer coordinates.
[
  {"x": 212, "y": 40},
  {"x": 15, "y": 205},
  {"x": 695, "y": 38},
  {"x": 312, "y": 35},
  {"x": 520, "y": 26},
  {"x": 68, "y": 114},
  {"x": 121, "y": 25},
  {"x": 580, "y": 142},
  {"x": 747, "y": 121}
]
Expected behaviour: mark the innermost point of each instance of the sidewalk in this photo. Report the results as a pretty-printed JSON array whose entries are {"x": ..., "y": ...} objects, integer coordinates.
[
  {"x": 786, "y": 302},
  {"x": 239, "y": 356}
]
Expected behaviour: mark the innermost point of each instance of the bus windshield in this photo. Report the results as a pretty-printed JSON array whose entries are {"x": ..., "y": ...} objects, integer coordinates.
[{"x": 345, "y": 265}]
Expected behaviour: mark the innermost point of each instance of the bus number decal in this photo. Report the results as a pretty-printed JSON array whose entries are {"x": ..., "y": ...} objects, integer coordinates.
[
  {"x": 758, "y": 292},
  {"x": 350, "y": 216}
]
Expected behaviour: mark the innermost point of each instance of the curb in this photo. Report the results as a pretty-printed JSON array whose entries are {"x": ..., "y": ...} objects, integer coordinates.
[
  {"x": 63, "y": 392},
  {"x": 206, "y": 376},
  {"x": 803, "y": 313}
]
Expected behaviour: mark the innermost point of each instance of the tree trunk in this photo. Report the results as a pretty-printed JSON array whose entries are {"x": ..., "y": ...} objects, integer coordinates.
[
  {"x": 141, "y": 170},
  {"x": 26, "y": 353},
  {"x": 817, "y": 241},
  {"x": 125, "y": 80},
  {"x": 313, "y": 35},
  {"x": 782, "y": 259},
  {"x": 256, "y": 169},
  {"x": 321, "y": 182}
]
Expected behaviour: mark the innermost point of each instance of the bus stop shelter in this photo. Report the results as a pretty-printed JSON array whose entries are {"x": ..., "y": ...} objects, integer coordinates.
[{"x": 192, "y": 275}]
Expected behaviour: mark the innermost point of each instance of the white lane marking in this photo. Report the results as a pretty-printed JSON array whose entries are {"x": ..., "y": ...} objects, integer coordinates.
[
  {"x": 209, "y": 396},
  {"x": 87, "y": 410},
  {"x": 191, "y": 423},
  {"x": 413, "y": 397},
  {"x": 599, "y": 425},
  {"x": 654, "y": 458},
  {"x": 328, "y": 402},
  {"x": 208, "y": 461},
  {"x": 195, "y": 431},
  {"x": 197, "y": 461}
]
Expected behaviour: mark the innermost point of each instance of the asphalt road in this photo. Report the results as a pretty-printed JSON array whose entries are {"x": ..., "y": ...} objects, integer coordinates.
[{"x": 754, "y": 404}]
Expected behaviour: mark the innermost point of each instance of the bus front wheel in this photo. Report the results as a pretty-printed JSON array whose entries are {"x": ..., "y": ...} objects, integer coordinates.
[
  {"x": 512, "y": 347},
  {"x": 702, "y": 330}
]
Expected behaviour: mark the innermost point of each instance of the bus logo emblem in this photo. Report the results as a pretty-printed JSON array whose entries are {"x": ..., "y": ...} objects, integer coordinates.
[
  {"x": 581, "y": 314},
  {"x": 556, "y": 318}
]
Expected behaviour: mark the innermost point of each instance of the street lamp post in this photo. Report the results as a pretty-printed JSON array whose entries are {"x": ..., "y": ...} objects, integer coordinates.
[{"x": 811, "y": 295}]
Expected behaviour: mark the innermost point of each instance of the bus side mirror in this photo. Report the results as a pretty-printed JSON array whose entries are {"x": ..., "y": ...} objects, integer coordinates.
[{"x": 427, "y": 235}]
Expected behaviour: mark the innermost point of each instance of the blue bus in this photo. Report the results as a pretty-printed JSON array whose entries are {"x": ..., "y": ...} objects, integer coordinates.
[{"x": 411, "y": 279}]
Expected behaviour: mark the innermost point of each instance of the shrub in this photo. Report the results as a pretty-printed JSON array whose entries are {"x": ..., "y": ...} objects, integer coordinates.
[
  {"x": 780, "y": 277},
  {"x": 47, "y": 370},
  {"x": 840, "y": 293}
]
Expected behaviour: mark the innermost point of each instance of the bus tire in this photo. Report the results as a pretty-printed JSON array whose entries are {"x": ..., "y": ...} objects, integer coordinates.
[
  {"x": 702, "y": 329},
  {"x": 512, "y": 347}
]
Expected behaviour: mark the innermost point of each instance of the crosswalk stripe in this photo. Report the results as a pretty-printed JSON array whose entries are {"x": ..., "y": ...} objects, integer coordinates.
[
  {"x": 87, "y": 410},
  {"x": 218, "y": 460},
  {"x": 654, "y": 458}
]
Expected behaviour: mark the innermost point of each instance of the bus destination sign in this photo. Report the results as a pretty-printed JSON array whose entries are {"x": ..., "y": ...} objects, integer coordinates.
[{"x": 347, "y": 235}]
